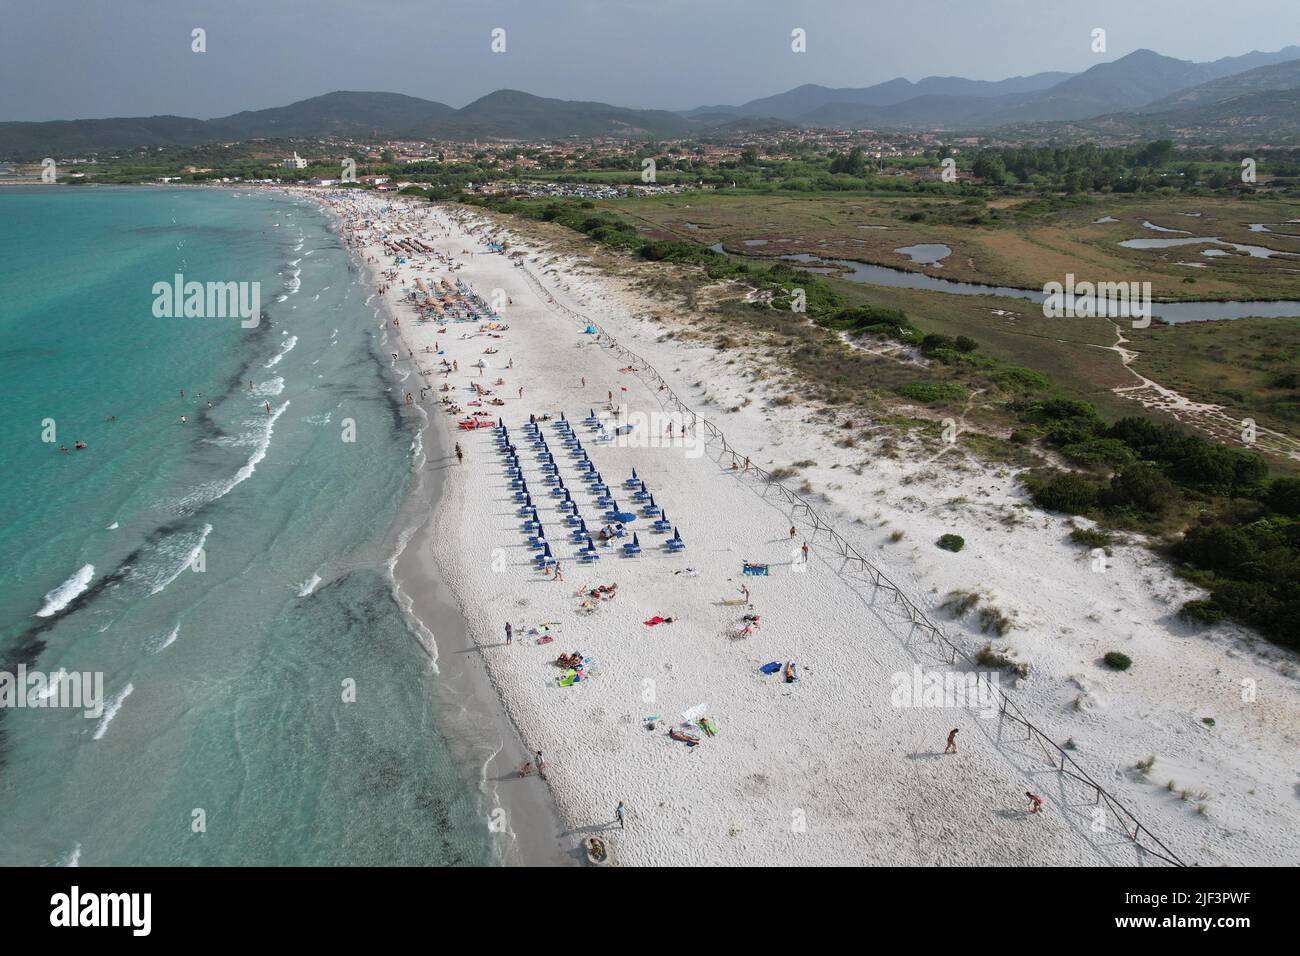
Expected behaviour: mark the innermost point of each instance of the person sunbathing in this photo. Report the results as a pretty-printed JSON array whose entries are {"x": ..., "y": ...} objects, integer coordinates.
[{"x": 526, "y": 769}]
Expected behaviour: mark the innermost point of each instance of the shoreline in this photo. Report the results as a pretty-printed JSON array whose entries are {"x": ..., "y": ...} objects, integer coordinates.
[{"x": 468, "y": 711}]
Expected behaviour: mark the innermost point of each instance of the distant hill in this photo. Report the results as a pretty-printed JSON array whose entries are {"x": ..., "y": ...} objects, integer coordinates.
[
  {"x": 1280, "y": 76},
  {"x": 510, "y": 114},
  {"x": 505, "y": 114},
  {"x": 1270, "y": 116},
  {"x": 1129, "y": 83},
  {"x": 335, "y": 114},
  {"x": 798, "y": 103},
  {"x": 1225, "y": 97}
]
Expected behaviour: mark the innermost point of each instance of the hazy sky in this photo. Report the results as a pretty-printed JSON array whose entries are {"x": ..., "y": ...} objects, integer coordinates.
[{"x": 95, "y": 58}]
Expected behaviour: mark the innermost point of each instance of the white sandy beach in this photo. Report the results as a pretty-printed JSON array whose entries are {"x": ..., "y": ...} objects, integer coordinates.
[{"x": 828, "y": 769}]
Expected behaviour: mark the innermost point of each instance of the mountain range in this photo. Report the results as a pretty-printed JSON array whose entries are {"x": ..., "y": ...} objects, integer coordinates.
[{"x": 1143, "y": 93}]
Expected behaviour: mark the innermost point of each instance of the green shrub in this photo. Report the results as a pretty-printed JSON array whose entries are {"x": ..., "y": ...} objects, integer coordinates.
[
  {"x": 1091, "y": 538},
  {"x": 1066, "y": 492},
  {"x": 1142, "y": 486},
  {"x": 951, "y": 542},
  {"x": 930, "y": 392},
  {"x": 1201, "y": 612},
  {"x": 1117, "y": 661}
]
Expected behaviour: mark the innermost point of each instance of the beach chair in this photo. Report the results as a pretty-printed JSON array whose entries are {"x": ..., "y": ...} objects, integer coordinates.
[
  {"x": 675, "y": 543},
  {"x": 650, "y": 510},
  {"x": 544, "y": 558},
  {"x": 642, "y": 495},
  {"x": 538, "y": 542},
  {"x": 662, "y": 524},
  {"x": 589, "y": 553},
  {"x": 526, "y": 504},
  {"x": 532, "y": 522},
  {"x": 633, "y": 547},
  {"x": 633, "y": 482},
  {"x": 559, "y": 491},
  {"x": 579, "y": 525}
]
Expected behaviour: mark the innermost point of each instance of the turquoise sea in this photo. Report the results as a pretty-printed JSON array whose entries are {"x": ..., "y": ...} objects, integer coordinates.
[{"x": 228, "y": 575}]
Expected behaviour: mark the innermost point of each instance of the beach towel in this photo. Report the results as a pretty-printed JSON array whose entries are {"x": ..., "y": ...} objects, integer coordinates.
[
  {"x": 771, "y": 668},
  {"x": 658, "y": 620}
]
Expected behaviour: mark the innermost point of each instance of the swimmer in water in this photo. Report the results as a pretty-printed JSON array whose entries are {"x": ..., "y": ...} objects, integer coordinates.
[{"x": 184, "y": 420}]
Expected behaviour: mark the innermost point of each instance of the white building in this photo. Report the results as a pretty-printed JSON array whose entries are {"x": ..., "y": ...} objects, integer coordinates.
[{"x": 297, "y": 162}]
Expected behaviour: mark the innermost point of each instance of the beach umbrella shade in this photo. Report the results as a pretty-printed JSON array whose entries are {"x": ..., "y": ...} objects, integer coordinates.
[
  {"x": 590, "y": 546},
  {"x": 677, "y": 535},
  {"x": 636, "y": 542},
  {"x": 634, "y": 474}
]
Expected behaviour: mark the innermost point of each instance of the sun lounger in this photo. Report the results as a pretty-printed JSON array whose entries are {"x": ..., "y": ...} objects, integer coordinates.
[{"x": 756, "y": 570}]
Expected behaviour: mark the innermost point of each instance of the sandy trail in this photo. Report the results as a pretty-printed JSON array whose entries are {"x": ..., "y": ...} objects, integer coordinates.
[{"x": 1209, "y": 418}]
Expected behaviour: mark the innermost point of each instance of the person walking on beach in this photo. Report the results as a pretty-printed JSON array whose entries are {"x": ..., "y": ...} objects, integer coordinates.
[
  {"x": 951, "y": 748},
  {"x": 1035, "y": 802},
  {"x": 521, "y": 391},
  {"x": 791, "y": 532},
  {"x": 510, "y": 633},
  {"x": 558, "y": 575},
  {"x": 745, "y": 470},
  {"x": 460, "y": 455},
  {"x": 805, "y": 552},
  {"x": 541, "y": 765},
  {"x": 620, "y": 812}
]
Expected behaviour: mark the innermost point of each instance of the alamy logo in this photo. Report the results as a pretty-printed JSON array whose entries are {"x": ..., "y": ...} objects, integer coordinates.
[
  {"x": 972, "y": 690},
  {"x": 78, "y": 690},
  {"x": 649, "y": 430},
  {"x": 208, "y": 300},
  {"x": 1089, "y": 300},
  {"x": 103, "y": 909}
]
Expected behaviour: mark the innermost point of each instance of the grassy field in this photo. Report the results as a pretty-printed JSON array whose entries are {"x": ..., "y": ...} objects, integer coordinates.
[
  {"x": 1241, "y": 365},
  {"x": 1021, "y": 243},
  {"x": 1247, "y": 365}
]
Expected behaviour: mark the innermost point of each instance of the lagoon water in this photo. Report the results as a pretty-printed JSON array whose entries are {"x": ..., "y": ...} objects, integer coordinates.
[
  {"x": 229, "y": 577},
  {"x": 1172, "y": 312}
]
